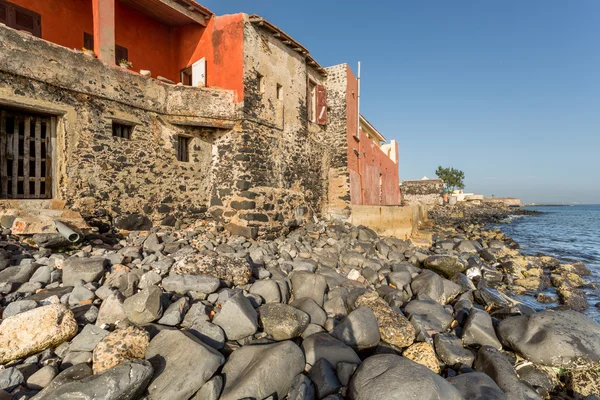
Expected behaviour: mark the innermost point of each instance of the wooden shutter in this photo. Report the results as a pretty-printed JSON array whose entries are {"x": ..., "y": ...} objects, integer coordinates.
[
  {"x": 321, "y": 116},
  {"x": 26, "y": 20}
]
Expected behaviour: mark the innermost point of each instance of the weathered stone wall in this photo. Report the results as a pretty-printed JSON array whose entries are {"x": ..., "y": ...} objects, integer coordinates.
[
  {"x": 336, "y": 139},
  {"x": 93, "y": 170},
  {"x": 277, "y": 158},
  {"x": 427, "y": 192}
]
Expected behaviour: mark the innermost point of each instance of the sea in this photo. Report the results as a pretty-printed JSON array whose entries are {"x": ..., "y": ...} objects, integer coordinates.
[{"x": 567, "y": 233}]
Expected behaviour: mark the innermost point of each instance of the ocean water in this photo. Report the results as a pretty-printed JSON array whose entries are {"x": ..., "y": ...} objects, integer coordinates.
[{"x": 567, "y": 233}]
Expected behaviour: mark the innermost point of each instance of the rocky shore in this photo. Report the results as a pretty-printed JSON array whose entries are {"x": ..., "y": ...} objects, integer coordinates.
[{"x": 330, "y": 311}]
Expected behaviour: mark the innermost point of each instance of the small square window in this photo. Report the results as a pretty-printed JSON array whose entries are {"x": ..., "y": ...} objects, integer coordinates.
[
  {"x": 122, "y": 131},
  {"x": 183, "y": 148},
  {"x": 261, "y": 82},
  {"x": 279, "y": 92}
]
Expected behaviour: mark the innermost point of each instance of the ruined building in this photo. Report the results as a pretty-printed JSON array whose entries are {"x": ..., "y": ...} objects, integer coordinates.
[{"x": 222, "y": 117}]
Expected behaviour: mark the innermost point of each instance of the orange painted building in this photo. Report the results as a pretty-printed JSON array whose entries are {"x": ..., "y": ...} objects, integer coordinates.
[{"x": 152, "y": 35}]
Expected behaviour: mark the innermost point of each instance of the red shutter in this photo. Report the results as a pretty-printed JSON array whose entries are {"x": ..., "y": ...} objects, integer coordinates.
[
  {"x": 321, "y": 116},
  {"x": 26, "y": 20}
]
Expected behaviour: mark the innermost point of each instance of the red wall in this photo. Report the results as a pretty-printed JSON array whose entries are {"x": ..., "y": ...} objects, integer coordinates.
[
  {"x": 63, "y": 21},
  {"x": 374, "y": 176},
  {"x": 147, "y": 41},
  {"x": 222, "y": 43}
]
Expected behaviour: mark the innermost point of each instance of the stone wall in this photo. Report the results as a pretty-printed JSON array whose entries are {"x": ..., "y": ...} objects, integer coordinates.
[
  {"x": 427, "y": 192},
  {"x": 95, "y": 171},
  {"x": 277, "y": 159}
]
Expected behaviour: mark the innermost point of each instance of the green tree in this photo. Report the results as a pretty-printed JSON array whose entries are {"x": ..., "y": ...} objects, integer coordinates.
[{"x": 452, "y": 177}]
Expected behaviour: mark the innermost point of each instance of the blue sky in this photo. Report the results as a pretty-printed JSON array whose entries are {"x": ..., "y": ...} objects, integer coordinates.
[{"x": 507, "y": 91}]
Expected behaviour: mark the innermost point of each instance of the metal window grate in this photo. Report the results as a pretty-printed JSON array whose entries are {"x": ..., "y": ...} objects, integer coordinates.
[
  {"x": 121, "y": 130},
  {"x": 25, "y": 155},
  {"x": 183, "y": 146}
]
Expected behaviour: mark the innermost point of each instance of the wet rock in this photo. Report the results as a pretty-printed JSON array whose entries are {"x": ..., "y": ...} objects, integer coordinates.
[
  {"x": 307, "y": 284},
  {"x": 181, "y": 284},
  {"x": 422, "y": 353},
  {"x": 144, "y": 307},
  {"x": 491, "y": 362},
  {"x": 125, "y": 381},
  {"x": 564, "y": 339},
  {"x": 432, "y": 285},
  {"x": 323, "y": 345},
  {"x": 85, "y": 269},
  {"x": 282, "y": 322},
  {"x": 258, "y": 371},
  {"x": 233, "y": 270},
  {"x": 393, "y": 377},
  {"x": 19, "y": 338},
  {"x": 324, "y": 378},
  {"x": 477, "y": 386},
  {"x": 237, "y": 318},
  {"x": 478, "y": 330},
  {"x": 445, "y": 265},
  {"x": 394, "y": 328},
  {"x": 180, "y": 374},
  {"x": 543, "y": 379},
  {"x": 119, "y": 346},
  {"x": 358, "y": 330},
  {"x": 451, "y": 351}
]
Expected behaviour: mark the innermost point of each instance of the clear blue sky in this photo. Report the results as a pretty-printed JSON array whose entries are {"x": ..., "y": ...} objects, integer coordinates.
[{"x": 506, "y": 90}]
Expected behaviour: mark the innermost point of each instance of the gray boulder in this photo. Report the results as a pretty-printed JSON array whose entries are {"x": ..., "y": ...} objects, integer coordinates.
[
  {"x": 182, "y": 363},
  {"x": 211, "y": 390},
  {"x": 259, "y": 371},
  {"x": 268, "y": 290},
  {"x": 477, "y": 386},
  {"x": 10, "y": 378},
  {"x": 126, "y": 381},
  {"x": 435, "y": 287},
  {"x": 393, "y": 377},
  {"x": 359, "y": 329},
  {"x": 451, "y": 351},
  {"x": 563, "y": 339},
  {"x": 18, "y": 273},
  {"x": 282, "y": 322},
  {"x": 309, "y": 306},
  {"x": 208, "y": 333},
  {"x": 478, "y": 330},
  {"x": 323, "y": 345},
  {"x": 175, "y": 312},
  {"x": 17, "y": 307},
  {"x": 71, "y": 374},
  {"x": 237, "y": 318},
  {"x": 88, "y": 338},
  {"x": 85, "y": 269},
  {"x": 434, "y": 317},
  {"x": 144, "y": 307},
  {"x": 302, "y": 389},
  {"x": 324, "y": 378},
  {"x": 445, "y": 264},
  {"x": 491, "y": 362},
  {"x": 181, "y": 284},
  {"x": 307, "y": 284}
]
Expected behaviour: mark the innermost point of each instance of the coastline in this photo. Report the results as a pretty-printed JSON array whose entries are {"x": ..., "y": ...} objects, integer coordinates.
[{"x": 539, "y": 281}]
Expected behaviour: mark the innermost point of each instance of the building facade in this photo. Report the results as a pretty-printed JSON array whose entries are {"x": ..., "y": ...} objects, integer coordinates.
[{"x": 222, "y": 117}]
